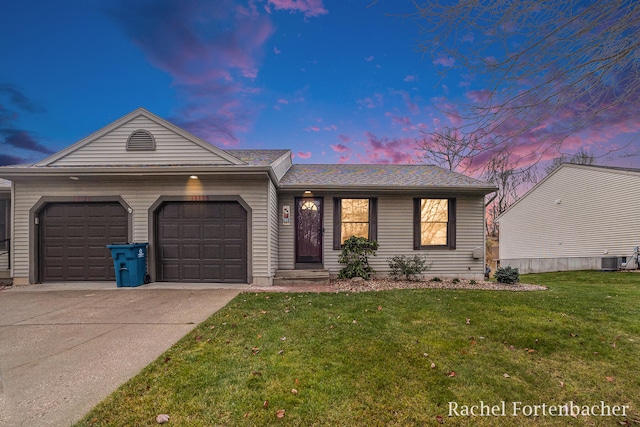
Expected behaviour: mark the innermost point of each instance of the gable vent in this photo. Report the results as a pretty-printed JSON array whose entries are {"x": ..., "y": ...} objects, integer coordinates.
[{"x": 141, "y": 140}]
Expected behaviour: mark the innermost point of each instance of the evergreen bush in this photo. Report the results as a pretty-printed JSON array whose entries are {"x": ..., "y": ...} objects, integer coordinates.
[{"x": 355, "y": 258}]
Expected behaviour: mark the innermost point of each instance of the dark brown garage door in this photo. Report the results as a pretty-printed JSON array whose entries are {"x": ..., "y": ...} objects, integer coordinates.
[
  {"x": 73, "y": 239},
  {"x": 202, "y": 242}
]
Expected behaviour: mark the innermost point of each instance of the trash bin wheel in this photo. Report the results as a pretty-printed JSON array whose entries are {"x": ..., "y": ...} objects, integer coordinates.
[{"x": 147, "y": 279}]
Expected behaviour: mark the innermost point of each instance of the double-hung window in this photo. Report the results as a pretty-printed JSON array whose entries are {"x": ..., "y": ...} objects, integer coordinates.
[
  {"x": 434, "y": 223},
  {"x": 354, "y": 217}
]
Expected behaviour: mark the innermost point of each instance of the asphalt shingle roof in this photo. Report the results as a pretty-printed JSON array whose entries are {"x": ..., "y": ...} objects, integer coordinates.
[
  {"x": 348, "y": 175},
  {"x": 258, "y": 157}
]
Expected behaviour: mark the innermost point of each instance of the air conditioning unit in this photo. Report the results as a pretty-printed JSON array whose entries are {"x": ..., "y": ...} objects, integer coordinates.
[{"x": 609, "y": 263}]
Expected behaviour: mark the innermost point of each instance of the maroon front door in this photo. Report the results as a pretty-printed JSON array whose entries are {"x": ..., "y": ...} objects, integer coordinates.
[{"x": 308, "y": 219}]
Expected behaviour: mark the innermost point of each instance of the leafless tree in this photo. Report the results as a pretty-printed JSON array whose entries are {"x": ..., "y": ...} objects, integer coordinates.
[
  {"x": 581, "y": 157},
  {"x": 450, "y": 149},
  {"x": 551, "y": 68},
  {"x": 501, "y": 172}
]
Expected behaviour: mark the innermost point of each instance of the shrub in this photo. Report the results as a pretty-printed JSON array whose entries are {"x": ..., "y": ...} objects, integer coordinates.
[
  {"x": 355, "y": 258},
  {"x": 455, "y": 280},
  {"x": 408, "y": 267},
  {"x": 508, "y": 275},
  {"x": 473, "y": 282},
  {"x": 436, "y": 279}
]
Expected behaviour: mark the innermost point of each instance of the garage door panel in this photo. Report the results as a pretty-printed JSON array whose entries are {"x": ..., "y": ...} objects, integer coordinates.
[
  {"x": 205, "y": 237},
  {"x": 212, "y": 251},
  {"x": 233, "y": 252},
  {"x": 191, "y": 272},
  {"x": 234, "y": 272},
  {"x": 212, "y": 270},
  {"x": 212, "y": 231},
  {"x": 191, "y": 252},
  {"x": 73, "y": 239},
  {"x": 191, "y": 231}
]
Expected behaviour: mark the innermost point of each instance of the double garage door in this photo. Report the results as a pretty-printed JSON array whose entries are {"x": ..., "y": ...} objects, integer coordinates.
[{"x": 195, "y": 241}]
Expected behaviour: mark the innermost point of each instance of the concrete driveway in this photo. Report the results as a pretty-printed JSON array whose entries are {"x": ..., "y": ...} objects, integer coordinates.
[{"x": 65, "y": 348}]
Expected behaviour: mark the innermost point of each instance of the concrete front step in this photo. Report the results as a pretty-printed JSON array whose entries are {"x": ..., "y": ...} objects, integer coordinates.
[{"x": 301, "y": 277}]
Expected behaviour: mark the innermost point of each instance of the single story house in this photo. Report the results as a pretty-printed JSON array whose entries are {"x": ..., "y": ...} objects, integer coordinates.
[
  {"x": 229, "y": 216},
  {"x": 572, "y": 219}
]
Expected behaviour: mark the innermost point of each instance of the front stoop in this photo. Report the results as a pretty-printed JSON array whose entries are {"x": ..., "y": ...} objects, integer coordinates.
[
  {"x": 5, "y": 278},
  {"x": 301, "y": 277}
]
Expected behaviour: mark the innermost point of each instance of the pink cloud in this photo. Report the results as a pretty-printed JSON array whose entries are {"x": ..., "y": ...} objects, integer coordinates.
[
  {"x": 345, "y": 152},
  {"x": 276, "y": 51},
  {"x": 411, "y": 105},
  {"x": 330, "y": 128},
  {"x": 444, "y": 61},
  {"x": 369, "y": 58},
  {"x": 212, "y": 51},
  {"x": 410, "y": 78},
  {"x": 385, "y": 150},
  {"x": 313, "y": 128},
  {"x": 310, "y": 8},
  {"x": 344, "y": 138},
  {"x": 397, "y": 120},
  {"x": 376, "y": 101},
  {"x": 282, "y": 101},
  {"x": 340, "y": 148},
  {"x": 304, "y": 154}
]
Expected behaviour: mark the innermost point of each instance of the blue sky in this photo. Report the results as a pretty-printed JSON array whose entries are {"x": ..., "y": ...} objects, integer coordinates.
[{"x": 333, "y": 80}]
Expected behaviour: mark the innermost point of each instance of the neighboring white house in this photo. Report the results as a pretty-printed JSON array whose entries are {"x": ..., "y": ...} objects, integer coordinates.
[
  {"x": 572, "y": 219},
  {"x": 231, "y": 216}
]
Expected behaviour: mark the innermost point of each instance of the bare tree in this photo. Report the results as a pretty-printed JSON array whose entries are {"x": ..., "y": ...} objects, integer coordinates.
[
  {"x": 450, "y": 149},
  {"x": 581, "y": 157},
  {"x": 551, "y": 67},
  {"x": 501, "y": 172}
]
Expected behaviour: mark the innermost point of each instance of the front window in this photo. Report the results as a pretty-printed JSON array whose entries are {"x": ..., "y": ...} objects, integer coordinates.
[
  {"x": 354, "y": 217},
  {"x": 434, "y": 223},
  {"x": 434, "y": 218}
]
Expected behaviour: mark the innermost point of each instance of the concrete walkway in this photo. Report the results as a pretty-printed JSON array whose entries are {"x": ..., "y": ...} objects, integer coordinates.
[{"x": 63, "y": 348}]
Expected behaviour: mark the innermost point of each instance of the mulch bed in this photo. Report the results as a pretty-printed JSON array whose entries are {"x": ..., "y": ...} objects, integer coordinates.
[{"x": 359, "y": 285}]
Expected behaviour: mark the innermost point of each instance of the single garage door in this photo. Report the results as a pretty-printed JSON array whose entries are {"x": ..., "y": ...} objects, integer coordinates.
[
  {"x": 202, "y": 242},
  {"x": 73, "y": 240}
]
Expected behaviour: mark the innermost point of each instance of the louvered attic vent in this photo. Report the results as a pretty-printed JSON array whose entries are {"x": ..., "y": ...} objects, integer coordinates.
[{"x": 141, "y": 140}]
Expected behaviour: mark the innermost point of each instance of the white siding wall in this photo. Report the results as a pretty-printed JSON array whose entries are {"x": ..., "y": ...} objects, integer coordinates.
[
  {"x": 110, "y": 149},
  {"x": 395, "y": 237},
  {"x": 576, "y": 212},
  {"x": 141, "y": 195}
]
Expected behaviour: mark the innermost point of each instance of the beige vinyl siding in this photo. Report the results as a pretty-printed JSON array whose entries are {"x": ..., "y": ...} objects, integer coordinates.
[
  {"x": 147, "y": 191},
  {"x": 110, "y": 149},
  {"x": 286, "y": 238},
  {"x": 395, "y": 237},
  {"x": 274, "y": 216},
  {"x": 576, "y": 212}
]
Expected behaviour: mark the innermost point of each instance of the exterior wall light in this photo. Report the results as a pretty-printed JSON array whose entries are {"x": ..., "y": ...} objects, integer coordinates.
[{"x": 193, "y": 177}]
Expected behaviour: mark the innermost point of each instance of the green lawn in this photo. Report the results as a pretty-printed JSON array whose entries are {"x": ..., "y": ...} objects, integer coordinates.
[{"x": 398, "y": 358}]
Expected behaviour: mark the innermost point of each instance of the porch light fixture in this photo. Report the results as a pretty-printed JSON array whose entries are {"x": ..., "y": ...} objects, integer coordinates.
[
  {"x": 193, "y": 177},
  {"x": 307, "y": 192},
  {"x": 74, "y": 178}
]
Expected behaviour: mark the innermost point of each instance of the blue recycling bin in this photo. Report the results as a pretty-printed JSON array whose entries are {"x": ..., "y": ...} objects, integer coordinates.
[{"x": 130, "y": 263}]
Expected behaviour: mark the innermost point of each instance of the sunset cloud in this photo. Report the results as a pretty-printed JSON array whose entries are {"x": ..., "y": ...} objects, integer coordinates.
[
  {"x": 14, "y": 104},
  {"x": 304, "y": 154},
  {"x": 344, "y": 151},
  {"x": 212, "y": 50},
  {"x": 310, "y": 8},
  {"x": 388, "y": 150}
]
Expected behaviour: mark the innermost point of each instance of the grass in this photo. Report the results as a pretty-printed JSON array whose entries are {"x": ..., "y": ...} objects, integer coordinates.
[{"x": 366, "y": 359}]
